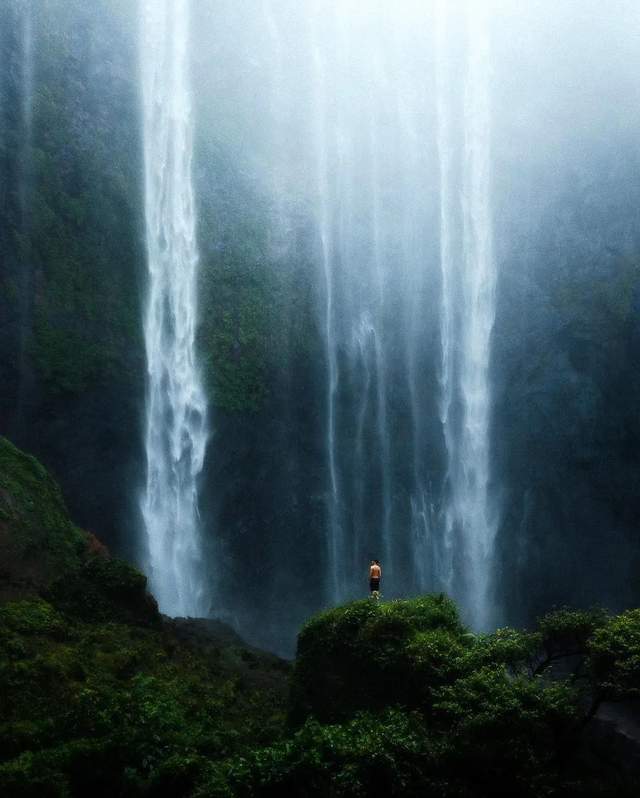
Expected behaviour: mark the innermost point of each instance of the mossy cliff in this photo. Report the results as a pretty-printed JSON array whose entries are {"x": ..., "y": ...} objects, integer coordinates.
[
  {"x": 38, "y": 542},
  {"x": 71, "y": 251},
  {"x": 101, "y": 695}
]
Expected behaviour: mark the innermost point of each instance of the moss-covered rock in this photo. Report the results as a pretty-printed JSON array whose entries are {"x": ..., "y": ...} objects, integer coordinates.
[
  {"x": 99, "y": 695},
  {"x": 368, "y": 655},
  {"x": 38, "y": 542},
  {"x": 399, "y": 698},
  {"x": 43, "y": 552}
]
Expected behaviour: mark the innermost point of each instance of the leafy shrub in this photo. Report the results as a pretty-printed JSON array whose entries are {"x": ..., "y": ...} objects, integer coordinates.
[
  {"x": 365, "y": 655},
  {"x": 615, "y": 657}
]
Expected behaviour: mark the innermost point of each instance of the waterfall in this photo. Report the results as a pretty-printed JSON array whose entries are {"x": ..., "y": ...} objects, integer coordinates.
[
  {"x": 368, "y": 218},
  {"x": 27, "y": 93},
  {"x": 479, "y": 289},
  {"x": 25, "y": 187},
  {"x": 378, "y": 301},
  {"x": 469, "y": 525},
  {"x": 373, "y": 153},
  {"x": 176, "y": 412},
  {"x": 281, "y": 224},
  {"x": 335, "y": 547},
  {"x": 446, "y": 375}
]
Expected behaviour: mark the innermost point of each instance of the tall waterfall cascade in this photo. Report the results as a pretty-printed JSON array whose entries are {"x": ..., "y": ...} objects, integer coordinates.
[
  {"x": 477, "y": 517},
  {"x": 403, "y": 216},
  {"x": 468, "y": 276},
  {"x": 25, "y": 198},
  {"x": 176, "y": 412},
  {"x": 374, "y": 129}
]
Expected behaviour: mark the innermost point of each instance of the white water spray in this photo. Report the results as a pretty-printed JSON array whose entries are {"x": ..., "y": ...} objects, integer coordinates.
[
  {"x": 325, "y": 234},
  {"x": 445, "y": 155},
  {"x": 479, "y": 298},
  {"x": 469, "y": 525},
  {"x": 176, "y": 422}
]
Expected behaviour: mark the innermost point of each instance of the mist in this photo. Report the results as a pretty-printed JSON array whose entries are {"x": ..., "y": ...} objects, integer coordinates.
[{"x": 405, "y": 320}]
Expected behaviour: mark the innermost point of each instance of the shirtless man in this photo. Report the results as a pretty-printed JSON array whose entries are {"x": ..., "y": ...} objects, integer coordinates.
[{"x": 375, "y": 574}]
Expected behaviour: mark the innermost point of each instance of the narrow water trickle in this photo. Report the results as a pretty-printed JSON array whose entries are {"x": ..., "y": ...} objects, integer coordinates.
[{"x": 176, "y": 417}]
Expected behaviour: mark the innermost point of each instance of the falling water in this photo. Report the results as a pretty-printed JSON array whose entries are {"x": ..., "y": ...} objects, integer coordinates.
[
  {"x": 478, "y": 524},
  {"x": 365, "y": 218},
  {"x": 326, "y": 239},
  {"x": 379, "y": 276},
  {"x": 281, "y": 225},
  {"x": 27, "y": 86},
  {"x": 25, "y": 375},
  {"x": 469, "y": 525},
  {"x": 447, "y": 379},
  {"x": 377, "y": 146},
  {"x": 176, "y": 428}
]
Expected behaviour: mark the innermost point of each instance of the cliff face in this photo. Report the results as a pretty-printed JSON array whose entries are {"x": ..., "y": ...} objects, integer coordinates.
[
  {"x": 565, "y": 370},
  {"x": 38, "y": 543},
  {"x": 44, "y": 554},
  {"x": 71, "y": 356},
  {"x": 567, "y": 377}
]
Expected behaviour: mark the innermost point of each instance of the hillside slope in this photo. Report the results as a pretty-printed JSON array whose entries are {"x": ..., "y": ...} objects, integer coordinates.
[{"x": 100, "y": 694}]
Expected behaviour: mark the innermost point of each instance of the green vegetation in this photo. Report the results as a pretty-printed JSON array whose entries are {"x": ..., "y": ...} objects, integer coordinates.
[
  {"x": 73, "y": 261},
  {"x": 400, "y": 699},
  {"x": 102, "y": 696},
  {"x": 99, "y": 695},
  {"x": 113, "y": 708},
  {"x": 38, "y": 542}
]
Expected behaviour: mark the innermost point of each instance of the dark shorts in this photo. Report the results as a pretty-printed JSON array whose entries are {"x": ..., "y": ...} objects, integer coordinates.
[{"x": 374, "y": 584}]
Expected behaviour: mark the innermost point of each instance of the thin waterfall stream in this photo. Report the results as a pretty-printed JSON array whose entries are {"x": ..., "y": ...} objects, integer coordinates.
[
  {"x": 479, "y": 297},
  {"x": 176, "y": 422},
  {"x": 397, "y": 181}
]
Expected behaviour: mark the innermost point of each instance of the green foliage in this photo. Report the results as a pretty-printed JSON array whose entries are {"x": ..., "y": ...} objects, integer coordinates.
[
  {"x": 74, "y": 261},
  {"x": 256, "y": 307},
  {"x": 43, "y": 551},
  {"x": 101, "y": 697},
  {"x": 38, "y": 542},
  {"x": 387, "y": 754},
  {"x": 510, "y": 648},
  {"x": 98, "y": 696},
  {"x": 498, "y": 714},
  {"x": 119, "y": 703},
  {"x": 506, "y": 728},
  {"x": 567, "y": 628},
  {"x": 105, "y": 589},
  {"x": 615, "y": 657},
  {"x": 348, "y": 657},
  {"x": 33, "y": 616}
]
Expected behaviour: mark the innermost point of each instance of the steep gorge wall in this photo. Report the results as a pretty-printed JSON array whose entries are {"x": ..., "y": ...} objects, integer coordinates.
[
  {"x": 565, "y": 429},
  {"x": 71, "y": 276}
]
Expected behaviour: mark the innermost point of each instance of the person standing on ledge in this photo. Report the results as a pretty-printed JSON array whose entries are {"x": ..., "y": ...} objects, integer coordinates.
[{"x": 375, "y": 574}]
